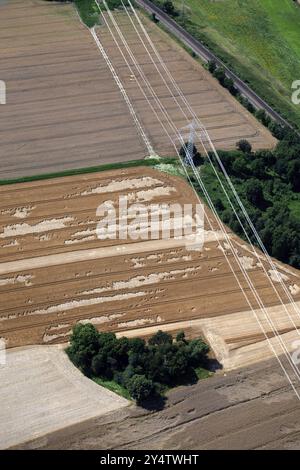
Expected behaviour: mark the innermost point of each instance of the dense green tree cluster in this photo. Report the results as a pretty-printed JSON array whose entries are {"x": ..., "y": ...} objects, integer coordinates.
[
  {"x": 144, "y": 369},
  {"x": 267, "y": 182}
]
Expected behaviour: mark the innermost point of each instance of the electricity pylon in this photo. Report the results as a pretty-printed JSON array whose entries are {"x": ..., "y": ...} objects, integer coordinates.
[{"x": 193, "y": 127}]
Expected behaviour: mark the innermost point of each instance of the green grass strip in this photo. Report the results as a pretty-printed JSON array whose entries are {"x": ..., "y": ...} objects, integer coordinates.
[
  {"x": 92, "y": 169},
  {"x": 113, "y": 387},
  {"x": 88, "y": 12}
]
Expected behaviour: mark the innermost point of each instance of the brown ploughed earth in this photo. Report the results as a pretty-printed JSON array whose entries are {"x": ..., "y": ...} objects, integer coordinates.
[
  {"x": 64, "y": 109},
  {"x": 252, "y": 408}
]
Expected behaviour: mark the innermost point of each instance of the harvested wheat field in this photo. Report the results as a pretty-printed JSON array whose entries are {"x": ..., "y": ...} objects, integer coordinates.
[
  {"x": 64, "y": 110},
  {"x": 55, "y": 272},
  {"x": 224, "y": 118},
  {"x": 54, "y": 392}
]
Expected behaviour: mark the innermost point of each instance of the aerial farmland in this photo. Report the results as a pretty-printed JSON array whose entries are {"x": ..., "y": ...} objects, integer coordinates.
[
  {"x": 55, "y": 271},
  {"x": 91, "y": 119},
  {"x": 64, "y": 109}
]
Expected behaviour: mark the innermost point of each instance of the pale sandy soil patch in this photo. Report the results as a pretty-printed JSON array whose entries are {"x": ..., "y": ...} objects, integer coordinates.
[{"x": 41, "y": 392}]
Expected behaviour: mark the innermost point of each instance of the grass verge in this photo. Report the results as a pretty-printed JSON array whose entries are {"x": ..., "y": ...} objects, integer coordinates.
[
  {"x": 88, "y": 12},
  {"x": 152, "y": 162},
  {"x": 113, "y": 387},
  {"x": 203, "y": 373},
  {"x": 259, "y": 40}
]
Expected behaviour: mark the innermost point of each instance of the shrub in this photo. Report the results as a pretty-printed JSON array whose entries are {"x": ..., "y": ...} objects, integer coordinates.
[{"x": 244, "y": 146}]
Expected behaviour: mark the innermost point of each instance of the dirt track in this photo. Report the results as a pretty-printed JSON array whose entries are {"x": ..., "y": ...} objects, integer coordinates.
[
  {"x": 64, "y": 109},
  {"x": 248, "y": 409}
]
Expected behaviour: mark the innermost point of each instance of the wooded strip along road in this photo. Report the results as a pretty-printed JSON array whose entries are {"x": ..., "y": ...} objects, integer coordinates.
[{"x": 207, "y": 55}]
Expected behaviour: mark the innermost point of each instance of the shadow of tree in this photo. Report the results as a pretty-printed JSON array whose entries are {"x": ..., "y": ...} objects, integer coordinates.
[{"x": 154, "y": 403}]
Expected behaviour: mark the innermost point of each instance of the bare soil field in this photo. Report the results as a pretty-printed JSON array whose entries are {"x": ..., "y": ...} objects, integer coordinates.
[
  {"x": 225, "y": 119},
  {"x": 55, "y": 272},
  {"x": 246, "y": 409},
  {"x": 41, "y": 391},
  {"x": 64, "y": 109}
]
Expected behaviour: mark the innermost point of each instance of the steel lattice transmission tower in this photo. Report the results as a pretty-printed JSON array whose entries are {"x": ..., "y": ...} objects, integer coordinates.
[{"x": 193, "y": 129}]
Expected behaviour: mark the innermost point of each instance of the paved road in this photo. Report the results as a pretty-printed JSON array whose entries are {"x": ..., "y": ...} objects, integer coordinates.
[{"x": 207, "y": 55}]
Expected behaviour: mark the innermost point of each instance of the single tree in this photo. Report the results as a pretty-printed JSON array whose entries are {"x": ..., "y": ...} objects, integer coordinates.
[
  {"x": 219, "y": 205},
  {"x": 84, "y": 345},
  {"x": 220, "y": 75},
  {"x": 212, "y": 66},
  {"x": 160, "y": 338},
  {"x": 140, "y": 388},
  {"x": 169, "y": 8},
  {"x": 244, "y": 146}
]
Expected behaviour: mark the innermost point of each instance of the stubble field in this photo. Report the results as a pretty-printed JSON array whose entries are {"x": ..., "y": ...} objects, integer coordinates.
[
  {"x": 54, "y": 271},
  {"x": 64, "y": 109}
]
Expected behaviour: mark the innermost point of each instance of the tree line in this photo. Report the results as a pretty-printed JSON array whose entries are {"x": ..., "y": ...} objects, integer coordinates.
[
  {"x": 268, "y": 182},
  {"x": 274, "y": 127}
]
